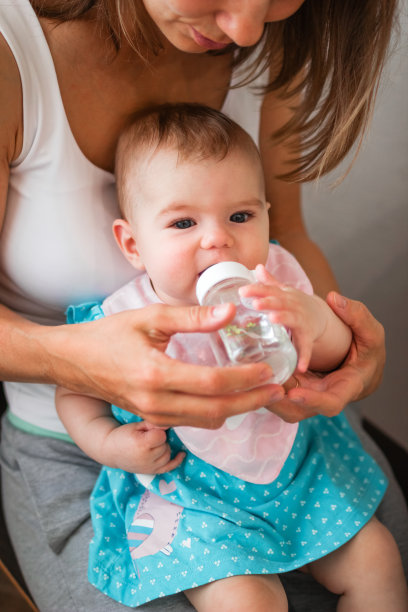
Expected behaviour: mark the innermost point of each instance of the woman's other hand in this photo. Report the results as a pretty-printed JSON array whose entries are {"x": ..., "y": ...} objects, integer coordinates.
[{"x": 360, "y": 374}]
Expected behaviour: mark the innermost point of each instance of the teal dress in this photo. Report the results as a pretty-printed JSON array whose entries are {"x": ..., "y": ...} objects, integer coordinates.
[{"x": 159, "y": 535}]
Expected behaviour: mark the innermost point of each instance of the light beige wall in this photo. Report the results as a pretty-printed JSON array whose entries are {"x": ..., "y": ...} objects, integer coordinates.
[{"x": 362, "y": 226}]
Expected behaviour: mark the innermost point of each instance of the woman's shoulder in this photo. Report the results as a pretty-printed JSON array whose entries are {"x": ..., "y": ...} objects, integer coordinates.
[{"x": 11, "y": 105}]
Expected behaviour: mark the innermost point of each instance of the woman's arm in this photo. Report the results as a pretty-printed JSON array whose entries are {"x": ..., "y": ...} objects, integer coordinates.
[{"x": 285, "y": 213}]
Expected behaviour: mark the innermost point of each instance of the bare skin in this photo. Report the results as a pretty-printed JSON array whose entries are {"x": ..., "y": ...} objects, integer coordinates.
[
  {"x": 240, "y": 594},
  {"x": 112, "y": 87}
]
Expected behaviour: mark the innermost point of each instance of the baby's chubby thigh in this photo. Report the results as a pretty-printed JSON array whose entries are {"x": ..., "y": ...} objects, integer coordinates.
[
  {"x": 262, "y": 593},
  {"x": 367, "y": 571}
]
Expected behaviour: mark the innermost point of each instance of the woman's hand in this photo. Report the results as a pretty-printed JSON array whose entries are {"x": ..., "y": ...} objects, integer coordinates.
[
  {"x": 121, "y": 359},
  {"x": 360, "y": 374}
]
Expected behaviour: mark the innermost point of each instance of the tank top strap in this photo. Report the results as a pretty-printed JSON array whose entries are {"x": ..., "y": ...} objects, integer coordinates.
[
  {"x": 42, "y": 104},
  {"x": 47, "y": 141}
]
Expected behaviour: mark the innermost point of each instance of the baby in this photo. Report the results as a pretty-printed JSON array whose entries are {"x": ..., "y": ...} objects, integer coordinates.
[{"x": 171, "y": 512}]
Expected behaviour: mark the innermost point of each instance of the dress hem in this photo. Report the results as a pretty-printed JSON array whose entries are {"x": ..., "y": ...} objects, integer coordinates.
[{"x": 108, "y": 581}]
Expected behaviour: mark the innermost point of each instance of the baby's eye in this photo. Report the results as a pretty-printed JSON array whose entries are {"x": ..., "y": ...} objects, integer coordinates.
[
  {"x": 183, "y": 223},
  {"x": 240, "y": 217}
]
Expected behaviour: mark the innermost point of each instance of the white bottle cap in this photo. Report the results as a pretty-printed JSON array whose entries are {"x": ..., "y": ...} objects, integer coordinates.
[{"x": 219, "y": 272}]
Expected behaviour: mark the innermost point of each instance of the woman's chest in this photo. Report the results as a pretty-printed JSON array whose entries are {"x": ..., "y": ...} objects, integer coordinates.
[{"x": 102, "y": 92}]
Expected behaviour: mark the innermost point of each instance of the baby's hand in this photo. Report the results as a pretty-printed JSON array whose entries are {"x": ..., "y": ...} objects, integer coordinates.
[
  {"x": 299, "y": 312},
  {"x": 140, "y": 448}
]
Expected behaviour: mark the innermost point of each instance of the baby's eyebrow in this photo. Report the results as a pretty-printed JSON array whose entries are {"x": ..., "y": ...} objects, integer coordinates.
[
  {"x": 254, "y": 202},
  {"x": 175, "y": 207},
  {"x": 182, "y": 207}
]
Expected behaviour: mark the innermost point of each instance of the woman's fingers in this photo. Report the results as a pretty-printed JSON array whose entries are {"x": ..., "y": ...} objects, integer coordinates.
[
  {"x": 366, "y": 358},
  {"x": 160, "y": 322},
  {"x": 359, "y": 375},
  {"x": 291, "y": 412},
  {"x": 173, "y": 375},
  {"x": 134, "y": 373},
  {"x": 365, "y": 326},
  {"x": 173, "y": 408},
  {"x": 315, "y": 394}
]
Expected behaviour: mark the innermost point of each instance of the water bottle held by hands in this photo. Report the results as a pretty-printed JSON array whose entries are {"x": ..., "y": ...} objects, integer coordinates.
[{"x": 251, "y": 336}]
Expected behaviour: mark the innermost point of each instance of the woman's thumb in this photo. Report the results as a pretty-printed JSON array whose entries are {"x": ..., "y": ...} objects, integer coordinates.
[
  {"x": 173, "y": 319},
  {"x": 352, "y": 312}
]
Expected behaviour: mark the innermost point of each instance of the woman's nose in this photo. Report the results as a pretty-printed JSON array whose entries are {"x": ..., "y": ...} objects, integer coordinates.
[
  {"x": 216, "y": 238},
  {"x": 243, "y": 21}
]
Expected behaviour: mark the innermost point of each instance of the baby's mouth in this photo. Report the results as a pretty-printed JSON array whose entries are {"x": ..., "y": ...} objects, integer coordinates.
[
  {"x": 202, "y": 271},
  {"x": 213, "y": 264}
]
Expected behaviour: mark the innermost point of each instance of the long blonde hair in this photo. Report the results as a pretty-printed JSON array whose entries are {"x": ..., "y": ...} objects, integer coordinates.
[{"x": 334, "y": 50}]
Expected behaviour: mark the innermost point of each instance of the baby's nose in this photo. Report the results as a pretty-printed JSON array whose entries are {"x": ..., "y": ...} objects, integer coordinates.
[{"x": 216, "y": 238}]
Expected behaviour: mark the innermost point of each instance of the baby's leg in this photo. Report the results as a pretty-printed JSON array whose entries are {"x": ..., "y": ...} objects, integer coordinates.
[
  {"x": 240, "y": 594},
  {"x": 366, "y": 572}
]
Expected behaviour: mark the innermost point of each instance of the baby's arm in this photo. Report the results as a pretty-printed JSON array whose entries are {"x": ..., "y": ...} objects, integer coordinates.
[
  {"x": 321, "y": 339},
  {"x": 134, "y": 447}
]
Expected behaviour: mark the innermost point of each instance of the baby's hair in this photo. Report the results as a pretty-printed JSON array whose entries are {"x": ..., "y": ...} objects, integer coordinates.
[{"x": 194, "y": 131}]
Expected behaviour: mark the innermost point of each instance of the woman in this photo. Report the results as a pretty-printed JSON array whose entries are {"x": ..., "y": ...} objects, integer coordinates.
[{"x": 72, "y": 76}]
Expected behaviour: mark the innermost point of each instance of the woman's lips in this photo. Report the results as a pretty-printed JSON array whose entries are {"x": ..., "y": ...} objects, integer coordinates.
[{"x": 207, "y": 43}]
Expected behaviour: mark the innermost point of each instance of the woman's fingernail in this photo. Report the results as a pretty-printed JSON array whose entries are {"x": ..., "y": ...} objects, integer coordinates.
[
  {"x": 339, "y": 300},
  {"x": 265, "y": 375},
  {"x": 276, "y": 396},
  {"x": 298, "y": 400},
  {"x": 218, "y": 312}
]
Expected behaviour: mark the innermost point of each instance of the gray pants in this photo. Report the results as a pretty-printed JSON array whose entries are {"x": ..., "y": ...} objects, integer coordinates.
[{"x": 46, "y": 488}]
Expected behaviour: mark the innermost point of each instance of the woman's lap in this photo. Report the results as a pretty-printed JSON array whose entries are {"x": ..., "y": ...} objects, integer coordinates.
[{"x": 46, "y": 487}]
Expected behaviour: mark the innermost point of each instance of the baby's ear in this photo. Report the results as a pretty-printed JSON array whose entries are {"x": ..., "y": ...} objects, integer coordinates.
[{"x": 124, "y": 237}]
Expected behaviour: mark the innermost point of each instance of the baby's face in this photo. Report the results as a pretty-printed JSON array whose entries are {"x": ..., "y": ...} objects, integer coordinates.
[{"x": 194, "y": 214}]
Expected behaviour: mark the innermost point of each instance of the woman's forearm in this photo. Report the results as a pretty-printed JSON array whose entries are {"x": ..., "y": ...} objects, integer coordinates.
[
  {"x": 312, "y": 260},
  {"x": 286, "y": 222},
  {"x": 25, "y": 349}
]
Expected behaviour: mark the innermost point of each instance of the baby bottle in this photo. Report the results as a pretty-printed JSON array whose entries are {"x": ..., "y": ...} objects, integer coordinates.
[{"x": 251, "y": 336}]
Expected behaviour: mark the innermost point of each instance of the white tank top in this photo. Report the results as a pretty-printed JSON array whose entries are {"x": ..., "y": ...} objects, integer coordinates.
[{"x": 56, "y": 244}]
